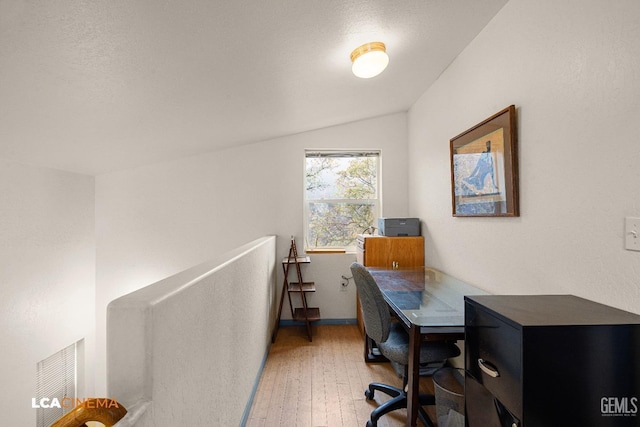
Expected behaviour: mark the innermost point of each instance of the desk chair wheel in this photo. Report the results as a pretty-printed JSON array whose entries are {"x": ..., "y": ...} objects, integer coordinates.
[
  {"x": 385, "y": 388},
  {"x": 398, "y": 400}
]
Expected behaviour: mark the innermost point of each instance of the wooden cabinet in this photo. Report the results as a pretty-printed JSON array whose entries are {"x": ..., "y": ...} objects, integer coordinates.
[
  {"x": 390, "y": 252},
  {"x": 386, "y": 252},
  {"x": 550, "y": 360}
]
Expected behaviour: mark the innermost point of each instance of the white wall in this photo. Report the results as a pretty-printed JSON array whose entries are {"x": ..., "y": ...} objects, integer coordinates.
[
  {"x": 573, "y": 71},
  {"x": 157, "y": 220},
  {"x": 47, "y": 277},
  {"x": 193, "y": 344}
]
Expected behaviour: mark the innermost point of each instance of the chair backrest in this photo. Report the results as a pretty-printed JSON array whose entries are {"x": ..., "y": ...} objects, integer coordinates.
[{"x": 375, "y": 311}]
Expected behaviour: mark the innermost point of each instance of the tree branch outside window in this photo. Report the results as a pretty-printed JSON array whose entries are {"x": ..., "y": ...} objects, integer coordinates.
[{"x": 341, "y": 197}]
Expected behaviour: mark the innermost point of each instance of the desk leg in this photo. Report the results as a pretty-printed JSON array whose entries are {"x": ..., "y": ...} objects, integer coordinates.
[{"x": 414, "y": 376}]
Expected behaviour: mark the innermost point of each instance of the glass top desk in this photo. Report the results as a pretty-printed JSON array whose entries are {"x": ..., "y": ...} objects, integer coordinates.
[{"x": 430, "y": 304}]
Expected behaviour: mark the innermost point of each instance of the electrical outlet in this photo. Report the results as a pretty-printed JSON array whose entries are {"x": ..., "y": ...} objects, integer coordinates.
[
  {"x": 344, "y": 283},
  {"x": 632, "y": 234}
]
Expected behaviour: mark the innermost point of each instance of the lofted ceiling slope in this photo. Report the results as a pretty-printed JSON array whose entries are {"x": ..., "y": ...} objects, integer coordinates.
[{"x": 94, "y": 86}]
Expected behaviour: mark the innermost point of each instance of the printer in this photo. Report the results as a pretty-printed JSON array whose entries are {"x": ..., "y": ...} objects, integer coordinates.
[{"x": 398, "y": 227}]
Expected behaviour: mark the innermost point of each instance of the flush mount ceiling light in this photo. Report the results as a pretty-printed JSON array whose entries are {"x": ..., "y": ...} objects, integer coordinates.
[{"x": 369, "y": 60}]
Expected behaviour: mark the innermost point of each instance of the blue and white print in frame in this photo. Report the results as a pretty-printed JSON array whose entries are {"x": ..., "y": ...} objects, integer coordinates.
[{"x": 484, "y": 168}]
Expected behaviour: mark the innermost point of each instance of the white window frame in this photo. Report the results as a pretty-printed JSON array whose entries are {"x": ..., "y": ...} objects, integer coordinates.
[{"x": 375, "y": 202}]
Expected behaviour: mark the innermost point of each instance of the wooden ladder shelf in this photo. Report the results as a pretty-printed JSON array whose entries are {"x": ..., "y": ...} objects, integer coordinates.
[{"x": 300, "y": 288}]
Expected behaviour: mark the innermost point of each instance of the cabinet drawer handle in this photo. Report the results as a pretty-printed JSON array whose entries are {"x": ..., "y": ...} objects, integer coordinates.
[{"x": 487, "y": 369}]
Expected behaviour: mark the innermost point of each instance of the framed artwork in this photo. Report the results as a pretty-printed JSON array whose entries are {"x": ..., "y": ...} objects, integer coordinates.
[{"x": 484, "y": 168}]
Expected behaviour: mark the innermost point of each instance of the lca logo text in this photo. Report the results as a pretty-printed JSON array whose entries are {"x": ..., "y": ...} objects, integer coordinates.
[
  {"x": 619, "y": 406},
  {"x": 68, "y": 402}
]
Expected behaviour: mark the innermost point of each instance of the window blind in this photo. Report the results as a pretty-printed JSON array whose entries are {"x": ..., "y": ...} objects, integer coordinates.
[
  {"x": 56, "y": 378},
  {"x": 320, "y": 154}
]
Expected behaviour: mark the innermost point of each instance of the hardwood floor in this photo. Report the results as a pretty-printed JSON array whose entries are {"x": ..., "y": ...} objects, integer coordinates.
[{"x": 322, "y": 383}]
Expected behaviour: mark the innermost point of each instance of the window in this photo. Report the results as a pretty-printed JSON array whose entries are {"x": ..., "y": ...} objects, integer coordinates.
[
  {"x": 56, "y": 377},
  {"x": 342, "y": 197}
]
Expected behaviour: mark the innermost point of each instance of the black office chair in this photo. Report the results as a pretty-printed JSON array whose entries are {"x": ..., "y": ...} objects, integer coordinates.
[{"x": 393, "y": 342}]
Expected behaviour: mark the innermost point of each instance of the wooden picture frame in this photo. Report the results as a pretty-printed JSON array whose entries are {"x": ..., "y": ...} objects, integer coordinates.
[{"x": 484, "y": 168}]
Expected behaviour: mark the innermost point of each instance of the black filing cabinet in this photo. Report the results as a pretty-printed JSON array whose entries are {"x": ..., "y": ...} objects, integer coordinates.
[{"x": 550, "y": 360}]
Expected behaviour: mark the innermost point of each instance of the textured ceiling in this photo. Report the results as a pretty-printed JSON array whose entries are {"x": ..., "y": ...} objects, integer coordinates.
[{"x": 93, "y": 86}]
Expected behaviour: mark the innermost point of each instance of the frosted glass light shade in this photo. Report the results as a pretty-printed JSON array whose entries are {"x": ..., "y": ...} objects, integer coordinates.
[{"x": 369, "y": 60}]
